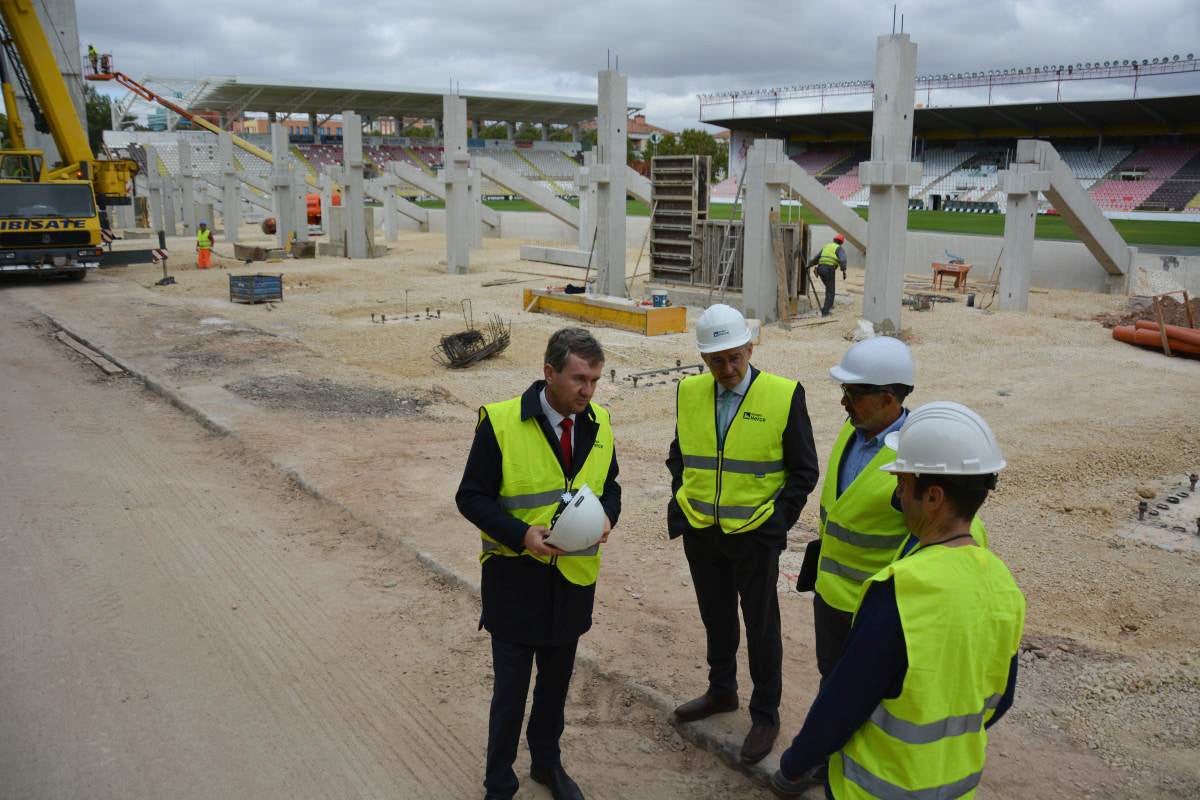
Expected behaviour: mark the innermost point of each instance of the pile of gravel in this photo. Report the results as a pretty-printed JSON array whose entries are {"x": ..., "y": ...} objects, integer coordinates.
[{"x": 326, "y": 398}]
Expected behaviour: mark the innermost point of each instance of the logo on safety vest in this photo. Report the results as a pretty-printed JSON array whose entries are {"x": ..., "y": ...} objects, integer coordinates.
[{"x": 752, "y": 417}]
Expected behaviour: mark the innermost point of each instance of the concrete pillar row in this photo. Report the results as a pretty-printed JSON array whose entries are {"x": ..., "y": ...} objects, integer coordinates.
[{"x": 283, "y": 204}]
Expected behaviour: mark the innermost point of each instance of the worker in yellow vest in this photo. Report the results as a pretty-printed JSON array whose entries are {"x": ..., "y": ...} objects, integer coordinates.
[
  {"x": 204, "y": 245},
  {"x": 861, "y": 527},
  {"x": 742, "y": 466},
  {"x": 93, "y": 58},
  {"x": 931, "y": 662},
  {"x": 532, "y": 455},
  {"x": 831, "y": 257}
]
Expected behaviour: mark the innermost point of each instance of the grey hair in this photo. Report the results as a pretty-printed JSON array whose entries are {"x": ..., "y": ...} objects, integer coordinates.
[{"x": 568, "y": 341}]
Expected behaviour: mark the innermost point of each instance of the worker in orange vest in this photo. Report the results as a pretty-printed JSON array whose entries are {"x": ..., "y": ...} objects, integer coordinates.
[{"x": 204, "y": 245}]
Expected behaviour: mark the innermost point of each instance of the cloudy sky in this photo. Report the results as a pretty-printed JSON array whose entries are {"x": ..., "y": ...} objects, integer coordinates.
[{"x": 671, "y": 51}]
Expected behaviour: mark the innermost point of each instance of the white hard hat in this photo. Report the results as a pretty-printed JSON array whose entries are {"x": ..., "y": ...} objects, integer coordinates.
[
  {"x": 878, "y": 361},
  {"x": 721, "y": 327},
  {"x": 580, "y": 524},
  {"x": 944, "y": 438}
]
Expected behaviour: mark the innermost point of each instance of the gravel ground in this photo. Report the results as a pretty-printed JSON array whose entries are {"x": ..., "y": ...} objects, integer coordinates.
[
  {"x": 1084, "y": 421},
  {"x": 325, "y": 398}
]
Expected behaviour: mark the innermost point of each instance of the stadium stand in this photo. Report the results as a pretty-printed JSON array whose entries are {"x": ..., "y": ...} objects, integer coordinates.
[{"x": 1138, "y": 176}]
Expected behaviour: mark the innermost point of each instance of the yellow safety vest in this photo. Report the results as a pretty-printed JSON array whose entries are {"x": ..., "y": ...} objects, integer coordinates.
[
  {"x": 963, "y": 616},
  {"x": 829, "y": 255},
  {"x": 860, "y": 531},
  {"x": 532, "y": 482},
  {"x": 204, "y": 239},
  {"x": 735, "y": 487}
]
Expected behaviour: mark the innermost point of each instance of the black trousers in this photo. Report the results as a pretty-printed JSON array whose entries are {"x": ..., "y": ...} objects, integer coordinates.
[
  {"x": 512, "y": 666},
  {"x": 725, "y": 571},
  {"x": 828, "y": 275},
  {"x": 832, "y": 628}
]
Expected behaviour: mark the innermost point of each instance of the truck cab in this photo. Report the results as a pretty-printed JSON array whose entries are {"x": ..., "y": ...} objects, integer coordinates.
[{"x": 46, "y": 227}]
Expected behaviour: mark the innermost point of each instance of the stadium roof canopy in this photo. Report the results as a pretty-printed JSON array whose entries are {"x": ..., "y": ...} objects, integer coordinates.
[
  {"x": 1149, "y": 116},
  {"x": 235, "y": 96}
]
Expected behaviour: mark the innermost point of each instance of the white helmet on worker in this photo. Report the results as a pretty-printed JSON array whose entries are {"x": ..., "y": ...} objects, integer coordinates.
[
  {"x": 878, "y": 361},
  {"x": 944, "y": 438},
  {"x": 721, "y": 327},
  {"x": 580, "y": 524}
]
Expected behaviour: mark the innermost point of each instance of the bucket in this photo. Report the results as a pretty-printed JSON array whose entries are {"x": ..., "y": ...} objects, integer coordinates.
[{"x": 658, "y": 298}]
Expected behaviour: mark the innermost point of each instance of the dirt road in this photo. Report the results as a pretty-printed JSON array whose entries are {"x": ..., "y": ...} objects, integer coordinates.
[{"x": 176, "y": 620}]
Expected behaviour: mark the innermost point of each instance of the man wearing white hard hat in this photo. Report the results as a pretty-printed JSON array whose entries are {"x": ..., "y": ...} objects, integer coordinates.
[
  {"x": 861, "y": 527},
  {"x": 742, "y": 466},
  {"x": 931, "y": 661},
  {"x": 541, "y": 486}
]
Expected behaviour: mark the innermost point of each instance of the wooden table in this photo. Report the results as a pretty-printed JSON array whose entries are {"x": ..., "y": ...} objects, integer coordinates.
[{"x": 959, "y": 271}]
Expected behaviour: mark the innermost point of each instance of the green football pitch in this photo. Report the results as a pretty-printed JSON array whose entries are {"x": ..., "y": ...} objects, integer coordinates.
[{"x": 1135, "y": 232}]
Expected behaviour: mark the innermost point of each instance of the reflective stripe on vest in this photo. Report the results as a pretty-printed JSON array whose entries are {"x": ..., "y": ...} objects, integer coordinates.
[
  {"x": 532, "y": 482},
  {"x": 860, "y": 531},
  {"x": 735, "y": 487},
  {"x": 962, "y": 616},
  {"x": 829, "y": 255},
  {"x": 204, "y": 239}
]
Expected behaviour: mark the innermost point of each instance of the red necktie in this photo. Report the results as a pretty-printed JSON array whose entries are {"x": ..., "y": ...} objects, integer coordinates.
[{"x": 565, "y": 443}]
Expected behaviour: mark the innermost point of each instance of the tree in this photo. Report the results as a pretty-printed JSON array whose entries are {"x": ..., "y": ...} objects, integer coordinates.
[
  {"x": 418, "y": 132},
  {"x": 528, "y": 132},
  {"x": 497, "y": 130},
  {"x": 99, "y": 115}
]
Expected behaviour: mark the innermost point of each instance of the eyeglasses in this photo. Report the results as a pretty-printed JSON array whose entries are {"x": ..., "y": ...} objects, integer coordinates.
[{"x": 853, "y": 392}]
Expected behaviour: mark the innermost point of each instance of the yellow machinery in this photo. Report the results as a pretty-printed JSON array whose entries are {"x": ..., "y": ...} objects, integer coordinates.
[{"x": 50, "y": 214}]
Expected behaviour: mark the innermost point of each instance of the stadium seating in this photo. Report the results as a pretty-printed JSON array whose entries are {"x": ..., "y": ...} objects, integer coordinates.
[{"x": 1153, "y": 164}]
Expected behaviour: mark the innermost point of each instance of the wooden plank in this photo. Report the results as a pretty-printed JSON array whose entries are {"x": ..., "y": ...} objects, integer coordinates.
[{"x": 100, "y": 361}]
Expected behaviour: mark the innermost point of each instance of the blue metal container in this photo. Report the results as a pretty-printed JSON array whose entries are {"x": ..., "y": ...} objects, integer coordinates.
[{"x": 257, "y": 288}]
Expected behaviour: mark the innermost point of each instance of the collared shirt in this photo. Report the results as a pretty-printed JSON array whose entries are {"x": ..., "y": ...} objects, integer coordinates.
[
  {"x": 555, "y": 419},
  {"x": 860, "y": 451},
  {"x": 727, "y": 407}
]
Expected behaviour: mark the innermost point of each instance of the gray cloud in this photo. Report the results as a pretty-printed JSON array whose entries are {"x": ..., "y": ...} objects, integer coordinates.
[{"x": 670, "y": 51}]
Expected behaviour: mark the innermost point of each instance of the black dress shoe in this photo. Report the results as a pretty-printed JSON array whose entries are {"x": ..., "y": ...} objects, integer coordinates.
[
  {"x": 787, "y": 788},
  {"x": 560, "y": 783},
  {"x": 706, "y": 705},
  {"x": 759, "y": 741}
]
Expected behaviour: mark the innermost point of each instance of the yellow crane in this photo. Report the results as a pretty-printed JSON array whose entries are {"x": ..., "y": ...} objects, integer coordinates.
[{"x": 50, "y": 213}]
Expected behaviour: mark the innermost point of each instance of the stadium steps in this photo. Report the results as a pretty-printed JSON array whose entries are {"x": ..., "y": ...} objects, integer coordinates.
[
  {"x": 555, "y": 187},
  {"x": 838, "y": 168},
  {"x": 416, "y": 159},
  {"x": 298, "y": 154},
  {"x": 924, "y": 193},
  {"x": 936, "y": 187}
]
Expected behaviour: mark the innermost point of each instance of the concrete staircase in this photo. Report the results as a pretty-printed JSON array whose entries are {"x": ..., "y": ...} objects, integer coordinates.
[
  {"x": 420, "y": 162},
  {"x": 300, "y": 159}
]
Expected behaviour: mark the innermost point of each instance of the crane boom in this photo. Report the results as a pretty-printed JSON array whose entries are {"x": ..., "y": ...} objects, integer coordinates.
[{"x": 150, "y": 95}]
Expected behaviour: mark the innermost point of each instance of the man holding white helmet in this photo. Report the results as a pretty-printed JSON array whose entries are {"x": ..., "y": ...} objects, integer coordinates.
[
  {"x": 541, "y": 486},
  {"x": 931, "y": 661},
  {"x": 861, "y": 526},
  {"x": 742, "y": 466}
]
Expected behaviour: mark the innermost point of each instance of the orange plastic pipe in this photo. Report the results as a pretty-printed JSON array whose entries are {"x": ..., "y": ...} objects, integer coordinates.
[
  {"x": 1147, "y": 338},
  {"x": 1173, "y": 331}
]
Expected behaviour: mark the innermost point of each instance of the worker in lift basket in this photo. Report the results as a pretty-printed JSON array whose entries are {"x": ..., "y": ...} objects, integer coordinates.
[
  {"x": 93, "y": 58},
  {"x": 204, "y": 245}
]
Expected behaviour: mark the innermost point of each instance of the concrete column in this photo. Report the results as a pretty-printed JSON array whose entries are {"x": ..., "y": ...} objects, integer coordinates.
[
  {"x": 391, "y": 215},
  {"x": 575, "y": 132},
  {"x": 456, "y": 173},
  {"x": 231, "y": 203},
  {"x": 154, "y": 186},
  {"x": 510, "y": 130},
  {"x": 889, "y": 173},
  {"x": 609, "y": 174},
  {"x": 587, "y": 202},
  {"x": 312, "y": 127},
  {"x": 545, "y": 131},
  {"x": 760, "y": 283},
  {"x": 475, "y": 192},
  {"x": 271, "y": 118},
  {"x": 300, "y": 200},
  {"x": 170, "y": 213},
  {"x": 326, "y": 182},
  {"x": 1021, "y": 183},
  {"x": 187, "y": 189},
  {"x": 283, "y": 204},
  {"x": 352, "y": 185},
  {"x": 475, "y": 129}
]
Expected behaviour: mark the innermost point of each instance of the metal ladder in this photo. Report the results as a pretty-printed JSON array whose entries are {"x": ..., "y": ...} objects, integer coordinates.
[{"x": 732, "y": 238}]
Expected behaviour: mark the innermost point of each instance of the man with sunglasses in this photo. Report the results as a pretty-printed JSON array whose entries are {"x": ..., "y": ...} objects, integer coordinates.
[{"x": 861, "y": 528}]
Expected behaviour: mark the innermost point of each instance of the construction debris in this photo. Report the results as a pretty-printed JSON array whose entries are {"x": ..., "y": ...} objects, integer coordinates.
[{"x": 467, "y": 347}]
